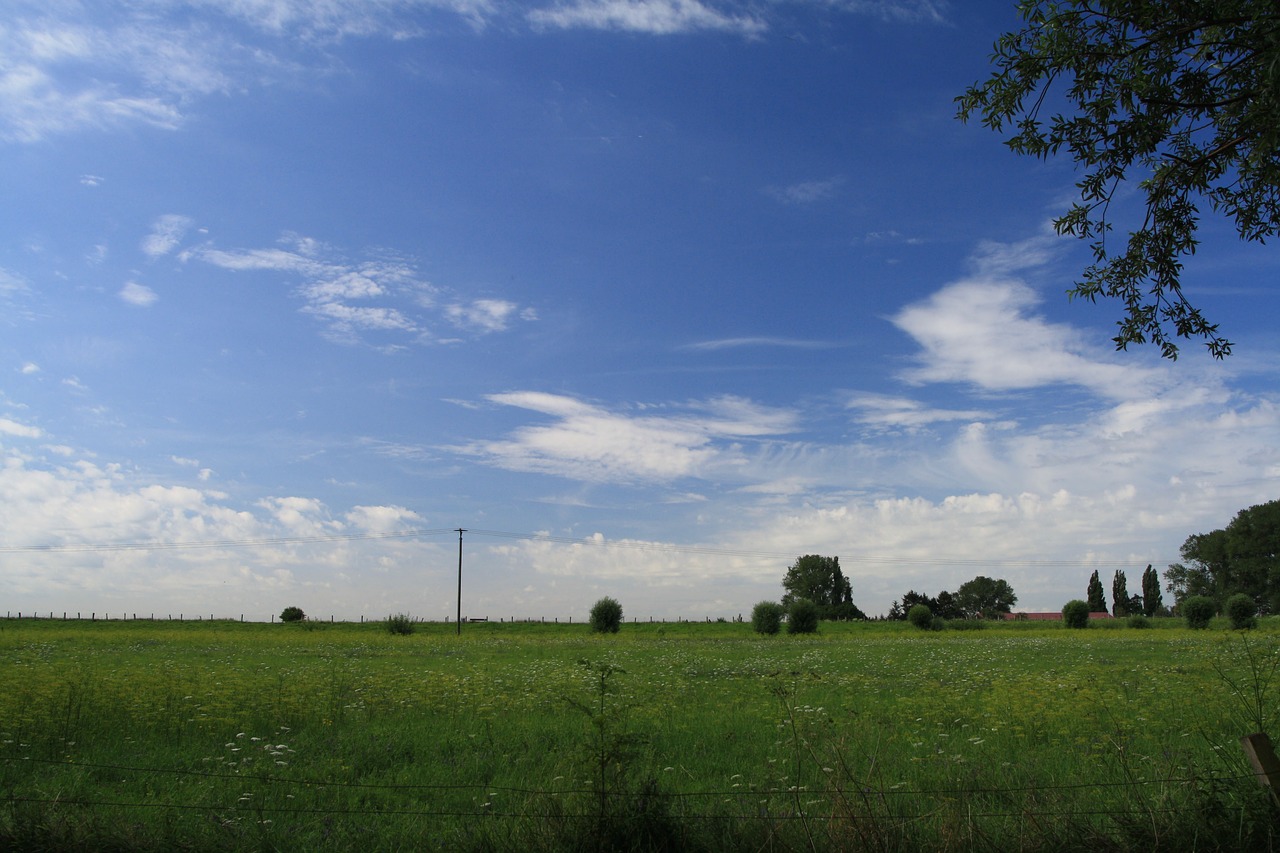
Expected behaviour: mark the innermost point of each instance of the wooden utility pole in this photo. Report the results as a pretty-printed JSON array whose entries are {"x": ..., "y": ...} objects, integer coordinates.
[{"x": 461, "y": 530}]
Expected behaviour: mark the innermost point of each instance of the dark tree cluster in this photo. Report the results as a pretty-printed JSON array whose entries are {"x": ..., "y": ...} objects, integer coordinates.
[
  {"x": 1242, "y": 558},
  {"x": 980, "y": 598},
  {"x": 819, "y": 579},
  {"x": 1148, "y": 603}
]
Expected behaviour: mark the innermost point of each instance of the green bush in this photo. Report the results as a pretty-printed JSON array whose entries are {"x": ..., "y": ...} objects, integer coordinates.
[
  {"x": 766, "y": 617},
  {"x": 1242, "y": 611},
  {"x": 1198, "y": 610},
  {"x": 802, "y": 617},
  {"x": 606, "y": 616},
  {"x": 292, "y": 614},
  {"x": 1138, "y": 620},
  {"x": 921, "y": 616},
  {"x": 401, "y": 624},
  {"x": 1075, "y": 614},
  {"x": 967, "y": 624}
]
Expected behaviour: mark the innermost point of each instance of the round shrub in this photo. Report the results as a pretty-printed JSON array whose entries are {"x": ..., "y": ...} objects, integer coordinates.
[
  {"x": 1075, "y": 614},
  {"x": 401, "y": 624},
  {"x": 1138, "y": 620},
  {"x": 292, "y": 614},
  {"x": 921, "y": 616},
  {"x": 1242, "y": 611},
  {"x": 1199, "y": 610},
  {"x": 766, "y": 617},
  {"x": 802, "y": 617},
  {"x": 606, "y": 616}
]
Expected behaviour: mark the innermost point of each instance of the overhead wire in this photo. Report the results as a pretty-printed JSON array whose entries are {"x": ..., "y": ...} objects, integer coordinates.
[{"x": 590, "y": 541}]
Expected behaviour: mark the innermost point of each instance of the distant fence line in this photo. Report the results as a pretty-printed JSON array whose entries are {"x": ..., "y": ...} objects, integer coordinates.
[{"x": 67, "y": 616}]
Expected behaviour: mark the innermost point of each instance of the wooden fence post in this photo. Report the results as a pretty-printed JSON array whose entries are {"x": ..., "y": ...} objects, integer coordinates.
[{"x": 1262, "y": 756}]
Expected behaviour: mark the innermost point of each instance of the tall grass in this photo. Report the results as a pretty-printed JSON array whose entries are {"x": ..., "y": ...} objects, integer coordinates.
[{"x": 141, "y": 735}]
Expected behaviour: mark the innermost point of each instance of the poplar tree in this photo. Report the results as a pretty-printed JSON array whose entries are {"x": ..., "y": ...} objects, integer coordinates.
[
  {"x": 1119, "y": 595},
  {"x": 1096, "y": 598},
  {"x": 1152, "y": 599}
]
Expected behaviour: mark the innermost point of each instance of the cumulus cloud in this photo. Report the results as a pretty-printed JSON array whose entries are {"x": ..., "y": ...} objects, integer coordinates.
[
  {"x": 9, "y": 427},
  {"x": 591, "y": 443},
  {"x": 138, "y": 294},
  {"x": 83, "y": 535},
  {"x": 983, "y": 331}
]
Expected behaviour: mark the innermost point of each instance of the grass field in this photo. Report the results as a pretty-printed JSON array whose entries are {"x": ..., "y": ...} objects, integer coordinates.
[{"x": 144, "y": 735}]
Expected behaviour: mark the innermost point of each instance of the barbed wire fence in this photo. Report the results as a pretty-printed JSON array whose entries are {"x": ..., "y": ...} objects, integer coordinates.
[{"x": 784, "y": 799}]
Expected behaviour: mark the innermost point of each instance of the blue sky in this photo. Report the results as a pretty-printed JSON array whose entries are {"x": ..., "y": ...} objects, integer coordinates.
[{"x": 651, "y": 296}]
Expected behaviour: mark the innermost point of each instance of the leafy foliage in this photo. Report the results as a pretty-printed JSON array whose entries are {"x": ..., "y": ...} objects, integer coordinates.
[
  {"x": 1119, "y": 595},
  {"x": 1097, "y": 599},
  {"x": 802, "y": 617},
  {"x": 606, "y": 616},
  {"x": 1198, "y": 610},
  {"x": 1242, "y": 557},
  {"x": 920, "y": 616},
  {"x": 1242, "y": 611},
  {"x": 1182, "y": 98},
  {"x": 292, "y": 614},
  {"x": 766, "y": 617},
  {"x": 985, "y": 598},
  {"x": 400, "y": 624},
  {"x": 1075, "y": 614},
  {"x": 819, "y": 580},
  {"x": 1152, "y": 600}
]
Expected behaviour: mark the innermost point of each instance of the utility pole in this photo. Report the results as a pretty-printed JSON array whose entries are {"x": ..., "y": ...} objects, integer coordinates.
[{"x": 461, "y": 530}]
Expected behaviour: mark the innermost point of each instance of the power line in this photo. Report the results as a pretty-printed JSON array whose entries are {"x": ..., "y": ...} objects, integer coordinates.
[
  {"x": 219, "y": 543},
  {"x": 591, "y": 542}
]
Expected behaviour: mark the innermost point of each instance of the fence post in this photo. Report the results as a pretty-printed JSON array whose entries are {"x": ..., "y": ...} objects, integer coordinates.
[{"x": 1262, "y": 756}]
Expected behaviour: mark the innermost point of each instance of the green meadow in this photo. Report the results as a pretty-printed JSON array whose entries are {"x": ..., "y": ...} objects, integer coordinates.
[{"x": 141, "y": 735}]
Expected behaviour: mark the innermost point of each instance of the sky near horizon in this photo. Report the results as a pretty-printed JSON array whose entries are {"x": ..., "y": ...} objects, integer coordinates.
[{"x": 650, "y": 296}]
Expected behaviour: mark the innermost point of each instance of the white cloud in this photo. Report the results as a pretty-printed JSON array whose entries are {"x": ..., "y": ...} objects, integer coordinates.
[
  {"x": 138, "y": 294},
  {"x": 29, "y": 368},
  {"x": 33, "y": 106},
  {"x": 11, "y": 282},
  {"x": 891, "y": 411},
  {"x": 382, "y": 519},
  {"x": 346, "y": 320},
  {"x": 484, "y": 315},
  {"x": 66, "y": 520},
  {"x": 74, "y": 66},
  {"x": 734, "y": 343},
  {"x": 806, "y": 192},
  {"x": 8, "y": 427},
  {"x": 905, "y": 11},
  {"x": 981, "y": 331},
  {"x": 892, "y": 236},
  {"x": 593, "y": 444},
  {"x": 166, "y": 233},
  {"x": 332, "y": 284},
  {"x": 655, "y": 17}
]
